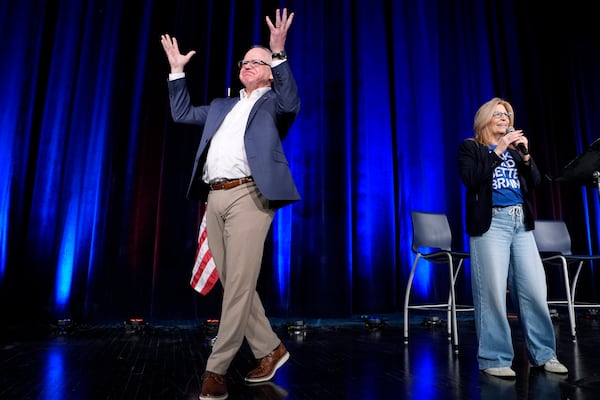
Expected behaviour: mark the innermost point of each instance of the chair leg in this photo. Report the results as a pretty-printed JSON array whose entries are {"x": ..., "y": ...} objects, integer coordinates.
[
  {"x": 449, "y": 315},
  {"x": 572, "y": 298},
  {"x": 570, "y": 305},
  {"x": 407, "y": 297},
  {"x": 453, "y": 320}
]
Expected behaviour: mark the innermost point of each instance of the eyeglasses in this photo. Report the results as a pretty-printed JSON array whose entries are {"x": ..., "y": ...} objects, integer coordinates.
[
  {"x": 500, "y": 114},
  {"x": 253, "y": 63}
]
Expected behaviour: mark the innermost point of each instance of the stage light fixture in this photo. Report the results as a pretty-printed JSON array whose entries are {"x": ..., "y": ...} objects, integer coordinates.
[
  {"x": 135, "y": 325},
  {"x": 372, "y": 323},
  {"x": 297, "y": 328},
  {"x": 211, "y": 327},
  {"x": 592, "y": 313},
  {"x": 432, "y": 321},
  {"x": 63, "y": 326}
]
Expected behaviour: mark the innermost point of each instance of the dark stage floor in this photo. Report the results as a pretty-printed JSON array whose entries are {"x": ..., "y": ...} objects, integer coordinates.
[{"x": 330, "y": 359}]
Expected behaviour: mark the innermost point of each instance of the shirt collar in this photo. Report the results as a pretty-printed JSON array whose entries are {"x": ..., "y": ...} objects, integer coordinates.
[{"x": 256, "y": 93}]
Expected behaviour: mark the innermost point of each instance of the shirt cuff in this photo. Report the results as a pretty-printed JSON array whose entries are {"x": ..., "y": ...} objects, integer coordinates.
[
  {"x": 275, "y": 63},
  {"x": 176, "y": 75}
]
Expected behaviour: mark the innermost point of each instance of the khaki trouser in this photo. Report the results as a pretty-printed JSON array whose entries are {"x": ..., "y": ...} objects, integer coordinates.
[{"x": 237, "y": 224}]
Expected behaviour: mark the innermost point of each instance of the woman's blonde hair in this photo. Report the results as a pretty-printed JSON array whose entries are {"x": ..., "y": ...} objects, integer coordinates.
[{"x": 483, "y": 117}]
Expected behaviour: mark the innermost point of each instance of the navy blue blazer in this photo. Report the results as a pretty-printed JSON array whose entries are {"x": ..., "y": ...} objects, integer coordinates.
[
  {"x": 268, "y": 124},
  {"x": 476, "y": 165}
]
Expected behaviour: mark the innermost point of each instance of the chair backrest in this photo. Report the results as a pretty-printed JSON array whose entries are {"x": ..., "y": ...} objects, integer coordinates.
[
  {"x": 552, "y": 236},
  {"x": 430, "y": 230}
]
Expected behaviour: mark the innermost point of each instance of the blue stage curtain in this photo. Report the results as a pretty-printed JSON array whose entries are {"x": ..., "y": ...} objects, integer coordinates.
[{"x": 93, "y": 217}]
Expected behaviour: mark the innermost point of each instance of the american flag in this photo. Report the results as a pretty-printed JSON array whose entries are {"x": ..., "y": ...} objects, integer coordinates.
[{"x": 204, "y": 274}]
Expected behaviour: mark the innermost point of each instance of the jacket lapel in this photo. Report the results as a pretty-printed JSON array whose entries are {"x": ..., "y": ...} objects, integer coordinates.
[{"x": 258, "y": 103}]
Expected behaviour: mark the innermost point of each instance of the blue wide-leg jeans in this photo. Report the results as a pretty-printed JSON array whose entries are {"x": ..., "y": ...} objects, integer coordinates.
[{"x": 506, "y": 256}]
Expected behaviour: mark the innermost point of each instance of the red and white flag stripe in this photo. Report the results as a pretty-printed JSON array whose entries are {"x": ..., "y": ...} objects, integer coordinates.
[{"x": 204, "y": 273}]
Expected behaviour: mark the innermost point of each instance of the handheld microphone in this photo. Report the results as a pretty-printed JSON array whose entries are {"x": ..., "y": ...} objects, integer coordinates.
[{"x": 520, "y": 146}]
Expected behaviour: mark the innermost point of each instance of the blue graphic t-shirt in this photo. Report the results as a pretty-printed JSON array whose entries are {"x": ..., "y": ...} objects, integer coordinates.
[{"x": 506, "y": 188}]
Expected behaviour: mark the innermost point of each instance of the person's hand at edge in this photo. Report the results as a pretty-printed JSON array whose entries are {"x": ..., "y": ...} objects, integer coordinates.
[
  {"x": 279, "y": 30},
  {"x": 177, "y": 61}
]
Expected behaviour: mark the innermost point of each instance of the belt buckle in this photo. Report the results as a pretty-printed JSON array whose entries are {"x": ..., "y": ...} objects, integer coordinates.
[{"x": 218, "y": 184}]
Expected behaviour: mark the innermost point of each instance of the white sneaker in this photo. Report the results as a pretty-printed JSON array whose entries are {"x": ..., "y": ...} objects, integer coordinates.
[
  {"x": 504, "y": 372},
  {"x": 553, "y": 365}
]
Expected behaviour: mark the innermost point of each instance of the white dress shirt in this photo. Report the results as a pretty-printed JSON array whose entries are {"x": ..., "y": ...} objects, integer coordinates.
[{"x": 226, "y": 157}]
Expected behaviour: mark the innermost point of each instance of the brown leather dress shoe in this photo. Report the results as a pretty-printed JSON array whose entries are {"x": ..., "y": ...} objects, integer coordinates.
[
  {"x": 214, "y": 387},
  {"x": 268, "y": 365}
]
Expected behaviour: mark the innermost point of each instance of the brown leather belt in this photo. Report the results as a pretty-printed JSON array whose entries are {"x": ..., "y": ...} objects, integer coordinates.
[{"x": 229, "y": 183}]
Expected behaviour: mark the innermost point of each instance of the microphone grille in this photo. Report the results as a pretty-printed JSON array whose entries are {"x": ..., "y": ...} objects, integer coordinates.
[{"x": 510, "y": 129}]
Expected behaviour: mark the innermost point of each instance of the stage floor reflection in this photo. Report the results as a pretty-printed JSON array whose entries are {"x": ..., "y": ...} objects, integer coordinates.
[{"x": 356, "y": 358}]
